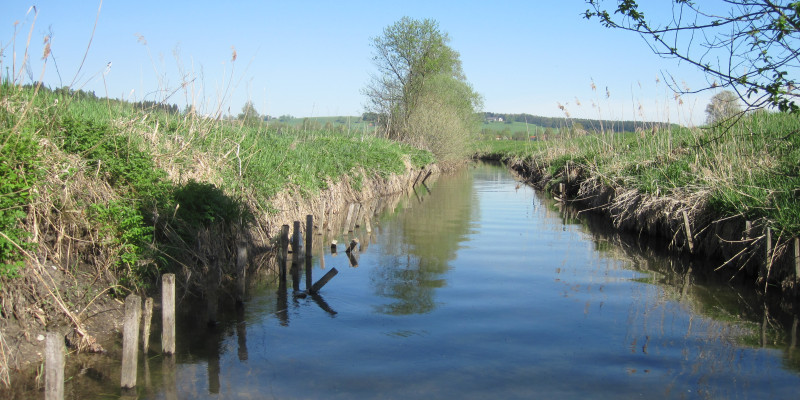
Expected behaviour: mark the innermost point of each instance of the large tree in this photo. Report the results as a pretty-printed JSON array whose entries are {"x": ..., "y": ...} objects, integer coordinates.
[
  {"x": 419, "y": 91},
  {"x": 723, "y": 106},
  {"x": 749, "y": 46},
  {"x": 249, "y": 115}
]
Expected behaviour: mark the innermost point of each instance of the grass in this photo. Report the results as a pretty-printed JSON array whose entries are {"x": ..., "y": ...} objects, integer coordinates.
[
  {"x": 148, "y": 179},
  {"x": 751, "y": 168}
]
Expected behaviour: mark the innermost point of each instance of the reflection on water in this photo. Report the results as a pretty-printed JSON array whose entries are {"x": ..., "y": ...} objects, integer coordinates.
[
  {"x": 475, "y": 288},
  {"x": 418, "y": 245}
]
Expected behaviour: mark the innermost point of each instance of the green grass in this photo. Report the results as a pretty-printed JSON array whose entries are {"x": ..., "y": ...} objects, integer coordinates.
[
  {"x": 162, "y": 175},
  {"x": 752, "y": 169}
]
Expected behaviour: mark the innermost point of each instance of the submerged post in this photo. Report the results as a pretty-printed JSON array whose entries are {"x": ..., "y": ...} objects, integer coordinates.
[
  {"x": 168, "y": 314},
  {"x": 130, "y": 341},
  {"x": 309, "y": 234},
  {"x": 54, "y": 367},
  {"x": 322, "y": 281},
  {"x": 296, "y": 242}
]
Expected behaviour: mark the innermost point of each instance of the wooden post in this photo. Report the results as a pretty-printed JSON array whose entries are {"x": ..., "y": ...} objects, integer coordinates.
[
  {"x": 296, "y": 241},
  {"x": 309, "y": 246},
  {"x": 325, "y": 278},
  {"x": 333, "y": 247},
  {"x": 54, "y": 367},
  {"x": 426, "y": 177},
  {"x": 352, "y": 246},
  {"x": 130, "y": 340},
  {"x": 241, "y": 267},
  {"x": 353, "y": 258},
  {"x": 147, "y": 317},
  {"x": 688, "y": 228},
  {"x": 212, "y": 289},
  {"x": 284, "y": 249},
  {"x": 168, "y": 314},
  {"x": 768, "y": 261},
  {"x": 309, "y": 234},
  {"x": 797, "y": 258}
]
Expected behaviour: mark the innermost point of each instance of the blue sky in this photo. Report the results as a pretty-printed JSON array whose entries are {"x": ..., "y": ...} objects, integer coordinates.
[{"x": 312, "y": 58}]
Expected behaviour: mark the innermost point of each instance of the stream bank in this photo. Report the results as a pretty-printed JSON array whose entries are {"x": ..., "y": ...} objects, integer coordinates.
[
  {"x": 743, "y": 249},
  {"x": 93, "y": 322}
]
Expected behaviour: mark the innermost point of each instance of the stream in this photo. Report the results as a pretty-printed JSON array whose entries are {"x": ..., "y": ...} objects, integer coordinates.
[{"x": 474, "y": 287}]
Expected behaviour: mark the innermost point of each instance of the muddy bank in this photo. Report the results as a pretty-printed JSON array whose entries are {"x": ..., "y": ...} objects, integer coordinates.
[
  {"x": 55, "y": 294},
  {"x": 740, "y": 248}
]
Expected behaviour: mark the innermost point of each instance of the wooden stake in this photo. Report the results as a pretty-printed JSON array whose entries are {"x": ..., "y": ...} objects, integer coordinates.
[
  {"x": 688, "y": 228},
  {"x": 797, "y": 258},
  {"x": 296, "y": 241},
  {"x": 168, "y": 314},
  {"x": 768, "y": 262},
  {"x": 325, "y": 278},
  {"x": 54, "y": 367},
  {"x": 333, "y": 247},
  {"x": 284, "y": 249},
  {"x": 309, "y": 234},
  {"x": 130, "y": 340},
  {"x": 352, "y": 246},
  {"x": 147, "y": 317}
]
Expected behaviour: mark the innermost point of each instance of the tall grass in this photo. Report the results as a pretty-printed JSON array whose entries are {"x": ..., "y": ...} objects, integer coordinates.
[{"x": 750, "y": 168}]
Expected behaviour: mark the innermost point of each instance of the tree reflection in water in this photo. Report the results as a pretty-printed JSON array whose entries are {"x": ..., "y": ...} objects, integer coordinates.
[{"x": 420, "y": 244}]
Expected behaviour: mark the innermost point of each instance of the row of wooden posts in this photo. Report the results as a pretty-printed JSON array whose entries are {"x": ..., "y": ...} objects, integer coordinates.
[
  {"x": 136, "y": 314},
  {"x": 54, "y": 347}
]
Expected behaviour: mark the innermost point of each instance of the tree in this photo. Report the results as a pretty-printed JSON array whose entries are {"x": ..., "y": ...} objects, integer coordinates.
[
  {"x": 420, "y": 92},
  {"x": 249, "y": 115},
  {"x": 723, "y": 105},
  {"x": 749, "y": 46}
]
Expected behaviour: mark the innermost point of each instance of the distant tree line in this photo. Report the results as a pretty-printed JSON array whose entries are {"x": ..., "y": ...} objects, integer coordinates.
[{"x": 590, "y": 125}]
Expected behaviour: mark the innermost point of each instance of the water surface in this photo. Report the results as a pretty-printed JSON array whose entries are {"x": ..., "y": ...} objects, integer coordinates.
[{"x": 476, "y": 287}]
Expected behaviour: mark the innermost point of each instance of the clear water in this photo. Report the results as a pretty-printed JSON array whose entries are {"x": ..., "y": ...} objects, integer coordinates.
[{"x": 477, "y": 289}]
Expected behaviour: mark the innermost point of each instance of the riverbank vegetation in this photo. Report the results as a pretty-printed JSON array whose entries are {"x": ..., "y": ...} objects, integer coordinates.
[
  {"x": 750, "y": 168},
  {"x": 100, "y": 197}
]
